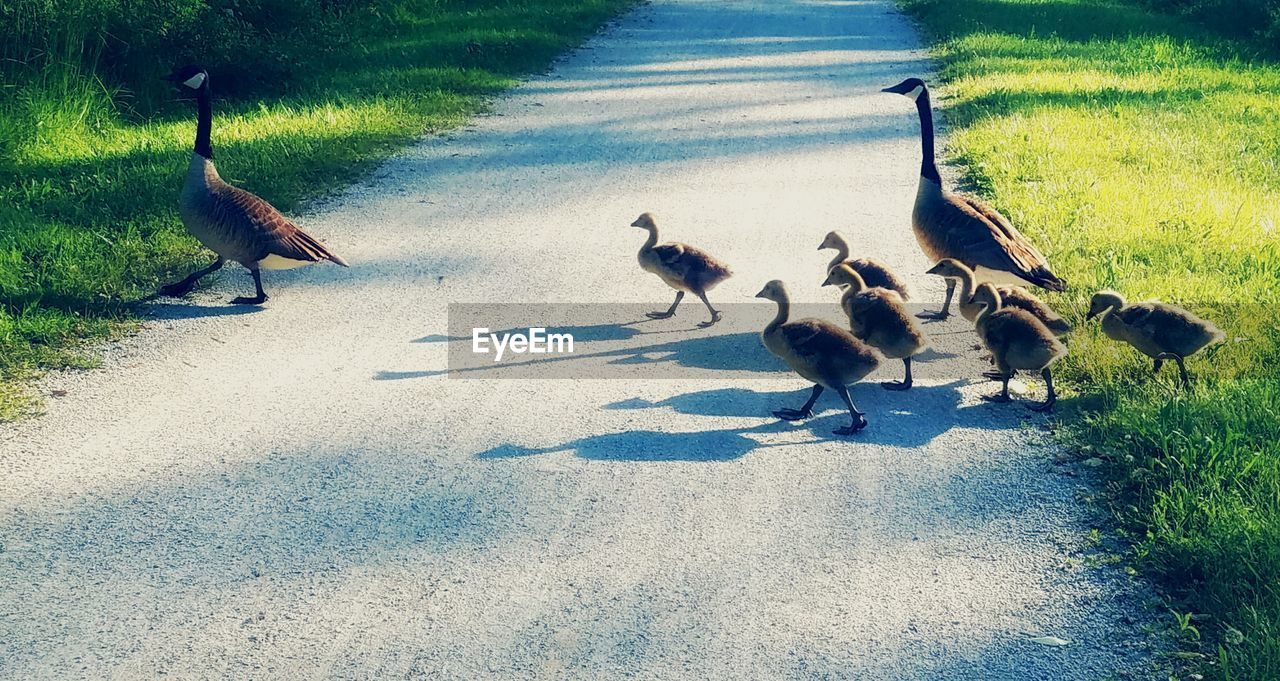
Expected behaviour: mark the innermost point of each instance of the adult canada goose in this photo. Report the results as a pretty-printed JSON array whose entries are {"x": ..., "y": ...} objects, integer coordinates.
[
  {"x": 878, "y": 318},
  {"x": 229, "y": 221},
  {"x": 682, "y": 267},
  {"x": 1016, "y": 340},
  {"x": 819, "y": 351},
  {"x": 951, "y": 225},
  {"x": 1158, "y": 330},
  {"x": 1010, "y": 296},
  {"x": 873, "y": 272}
]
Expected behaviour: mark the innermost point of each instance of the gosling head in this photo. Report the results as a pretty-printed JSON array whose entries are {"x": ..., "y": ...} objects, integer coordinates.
[
  {"x": 910, "y": 88},
  {"x": 645, "y": 221},
  {"x": 986, "y": 296},
  {"x": 833, "y": 240},
  {"x": 949, "y": 268},
  {"x": 774, "y": 290},
  {"x": 189, "y": 77},
  {"x": 843, "y": 275},
  {"x": 1103, "y": 301}
]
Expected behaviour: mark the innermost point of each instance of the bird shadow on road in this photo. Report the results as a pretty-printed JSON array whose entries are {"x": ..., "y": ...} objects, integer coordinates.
[
  {"x": 613, "y": 331},
  {"x": 900, "y": 420},
  {"x": 174, "y": 311},
  {"x": 687, "y": 358}
]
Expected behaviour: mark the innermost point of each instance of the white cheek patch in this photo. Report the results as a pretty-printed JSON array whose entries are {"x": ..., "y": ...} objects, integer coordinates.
[
  {"x": 194, "y": 82},
  {"x": 915, "y": 92}
]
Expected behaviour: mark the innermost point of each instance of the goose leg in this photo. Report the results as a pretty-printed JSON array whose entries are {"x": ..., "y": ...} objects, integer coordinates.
[
  {"x": 946, "y": 304},
  {"x": 715, "y": 314},
  {"x": 181, "y": 288},
  {"x": 1004, "y": 391},
  {"x": 1182, "y": 368},
  {"x": 1053, "y": 396},
  {"x": 803, "y": 412},
  {"x": 1156, "y": 365},
  {"x": 258, "y": 299},
  {"x": 670, "y": 311},
  {"x": 905, "y": 383},
  {"x": 859, "y": 419}
]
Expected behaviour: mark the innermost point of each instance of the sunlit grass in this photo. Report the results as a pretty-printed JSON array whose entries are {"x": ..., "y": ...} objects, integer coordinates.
[
  {"x": 1144, "y": 155},
  {"x": 90, "y": 173}
]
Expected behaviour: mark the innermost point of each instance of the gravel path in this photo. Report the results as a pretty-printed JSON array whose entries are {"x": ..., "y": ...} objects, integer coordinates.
[{"x": 296, "y": 491}]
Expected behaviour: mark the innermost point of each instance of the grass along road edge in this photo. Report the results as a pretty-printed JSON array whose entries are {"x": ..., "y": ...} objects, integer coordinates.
[{"x": 1142, "y": 153}]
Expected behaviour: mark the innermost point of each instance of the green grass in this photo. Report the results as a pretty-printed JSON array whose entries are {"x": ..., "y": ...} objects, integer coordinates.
[
  {"x": 90, "y": 167},
  {"x": 1142, "y": 153}
]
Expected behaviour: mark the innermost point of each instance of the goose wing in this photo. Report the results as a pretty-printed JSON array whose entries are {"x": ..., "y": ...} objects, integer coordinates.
[
  {"x": 265, "y": 229},
  {"x": 1172, "y": 327},
  {"x": 692, "y": 265},
  {"x": 989, "y": 240},
  {"x": 815, "y": 339}
]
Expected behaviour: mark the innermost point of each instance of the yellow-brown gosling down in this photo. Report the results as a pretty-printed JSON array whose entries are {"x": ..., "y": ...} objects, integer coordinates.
[
  {"x": 1158, "y": 330},
  {"x": 872, "y": 271},
  {"x": 878, "y": 317},
  {"x": 682, "y": 267},
  {"x": 819, "y": 351},
  {"x": 231, "y": 222},
  {"x": 1010, "y": 296},
  {"x": 1016, "y": 340},
  {"x": 949, "y": 225}
]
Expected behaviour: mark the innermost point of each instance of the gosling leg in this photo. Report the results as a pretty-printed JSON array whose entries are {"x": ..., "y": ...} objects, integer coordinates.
[
  {"x": 259, "y": 298},
  {"x": 946, "y": 305},
  {"x": 1182, "y": 368},
  {"x": 715, "y": 314},
  {"x": 181, "y": 288},
  {"x": 859, "y": 419},
  {"x": 803, "y": 412},
  {"x": 1051, "y": 399},
  {"x": 1004, "y": 391},
  {"x": 670, "y": 311},
  {"x": 905, "y": 383}
]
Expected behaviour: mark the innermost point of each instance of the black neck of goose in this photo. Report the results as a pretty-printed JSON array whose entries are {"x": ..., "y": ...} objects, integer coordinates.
[
  {"x": 928, "y": 169},
  {"x": 204, "y": 121}
]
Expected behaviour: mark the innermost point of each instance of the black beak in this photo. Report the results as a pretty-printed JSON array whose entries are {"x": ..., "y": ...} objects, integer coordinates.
[{"x": 1091, "y": 315}]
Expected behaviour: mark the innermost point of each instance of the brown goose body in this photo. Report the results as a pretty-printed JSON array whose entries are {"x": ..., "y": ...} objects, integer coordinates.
[
  {"x": 825, "y": 354},
  {"x": 1016, "y": 341},
  {"x": 683, "y": 267},
  {"x": 964, "y": 228},
  {"x": 1158, "y": 330},
  {"x": 877, "y": 316},
  {"x": 874, "y": 273},
  {"x": 821, "y": 352},
  {"x": 1010, "y": 296},
  {"x": 680, "y": 266},
  {"x": 241, "y": 227}
]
